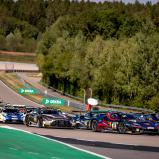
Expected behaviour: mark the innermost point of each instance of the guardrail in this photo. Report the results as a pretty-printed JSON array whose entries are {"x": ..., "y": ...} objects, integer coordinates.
[
  {"x": 68, "y": 102},
  {"x": 61, "y": 92},
  {"x": 129, "y": 108},
  {"x": 107, "y": 105},
  {"x": 79, "y": 105}
]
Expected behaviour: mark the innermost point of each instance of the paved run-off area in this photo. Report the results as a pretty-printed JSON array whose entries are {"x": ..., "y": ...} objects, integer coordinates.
[{"x": 15, "y": 144}]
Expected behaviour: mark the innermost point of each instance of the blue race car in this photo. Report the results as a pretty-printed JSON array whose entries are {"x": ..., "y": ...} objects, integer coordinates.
[
  {"x": 131, "y": 122},
  {"x": 11, "y": 115},
  {"x": 148, "y": 123},
  {"x": 88, "y": 120},
  {"x": 148, "y": 117}
]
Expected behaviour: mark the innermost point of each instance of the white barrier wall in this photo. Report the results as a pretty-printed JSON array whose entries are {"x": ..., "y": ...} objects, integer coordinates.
[{"x": 13, "y": 66}]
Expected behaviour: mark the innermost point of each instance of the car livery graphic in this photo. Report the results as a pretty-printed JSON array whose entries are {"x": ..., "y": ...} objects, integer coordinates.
[
  {"x": 47, "y": 118},
  {"x": 11, "y": 115}
]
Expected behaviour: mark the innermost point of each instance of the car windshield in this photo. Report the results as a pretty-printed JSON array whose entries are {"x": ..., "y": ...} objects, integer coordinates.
[
  {"x": 10, "y": 111},
  {"x": 49, "y": 112},
  {"x": 150, "y": 117},
  {"x": 128, "y": 116},
  {"x": 115, "y": 116}
]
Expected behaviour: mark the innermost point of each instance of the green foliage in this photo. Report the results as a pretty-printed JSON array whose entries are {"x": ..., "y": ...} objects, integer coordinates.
[
  {"x": 27, "y": 30},
  {"x": 2, "y": 42},
  {"x": 112, "y": 48},
  {"x": 121, "y": 71},
  {"x": 107, "y": 23},
  {"x": 154, "y": 103},
  {"x": 14, "y": 41}
]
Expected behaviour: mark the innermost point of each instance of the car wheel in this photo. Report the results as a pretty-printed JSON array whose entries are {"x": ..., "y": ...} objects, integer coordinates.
[
  {"x": 135, "y": 132},
  {"x": 68, "y": 124},
  {"x": 4, "y": 121},
  {"x": 39, "y": 123},
  {"x": 121, "y": 128},
  {"x": 77, "y": 126},
  {"x": 88, "y": 126},
  {"x": 26, "y": 122},
  {"x": 94, "y": 126}
]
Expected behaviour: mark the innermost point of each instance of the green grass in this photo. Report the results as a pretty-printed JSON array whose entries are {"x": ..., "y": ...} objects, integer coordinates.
[{"x": 12, "y": 81}]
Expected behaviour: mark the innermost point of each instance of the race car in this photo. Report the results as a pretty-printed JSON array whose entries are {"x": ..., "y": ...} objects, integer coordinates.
[
  {"x": 148, "y": 117},
  {"x": 47, "y": 118},
  {"x": 88, "y": 120},
  {"x": 116, "y": 122},
  {"x": 148, "y": 122},
  {"x": 106, "y": 122},
  {"x": 130, "y": 122},
  {"x": 11, "y": 115},
  {"x": 82, "y": 121}
]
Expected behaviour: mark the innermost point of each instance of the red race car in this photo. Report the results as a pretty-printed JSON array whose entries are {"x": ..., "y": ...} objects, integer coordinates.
[{"x": 108, "y": 121}]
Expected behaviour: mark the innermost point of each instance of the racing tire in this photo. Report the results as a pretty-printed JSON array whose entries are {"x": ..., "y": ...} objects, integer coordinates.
[
  {"x": 39, "y": 123},
  {"x": 68, "y": 124},
  {"x": 94, "y": 126},
  {"x": 26, "y": 122},
  {"x": 77, "y": 126},
  {"x": 121, "y": 128},
  {"x": 134, "y": 132},
  {"x": 4, "y": 122},
  {"x": 88, "y": 126}
]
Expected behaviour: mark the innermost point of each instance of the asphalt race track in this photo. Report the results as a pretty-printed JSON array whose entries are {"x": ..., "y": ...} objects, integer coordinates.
[
  {"x": 112, "y": 145},
  {"x": 115, "y": 146},
  {"x": 9, "y": 96}
]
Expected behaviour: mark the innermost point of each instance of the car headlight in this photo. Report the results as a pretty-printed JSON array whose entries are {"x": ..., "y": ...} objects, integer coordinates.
[
  {"x": 133, "y": 120},
  {"x": 4, "y": 114}
]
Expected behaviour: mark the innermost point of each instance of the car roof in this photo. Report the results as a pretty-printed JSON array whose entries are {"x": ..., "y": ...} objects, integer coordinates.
[{"x": 101, "y": 111}]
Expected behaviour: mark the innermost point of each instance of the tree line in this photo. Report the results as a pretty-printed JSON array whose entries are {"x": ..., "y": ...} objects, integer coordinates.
[{"x": 110, "y": 47}]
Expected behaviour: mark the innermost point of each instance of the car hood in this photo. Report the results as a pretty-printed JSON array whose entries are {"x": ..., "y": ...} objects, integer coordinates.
[
  {"x": 147, "y": 124},
  {"x": 13, "y": 114},
  {"x": 54, "y": 116}
]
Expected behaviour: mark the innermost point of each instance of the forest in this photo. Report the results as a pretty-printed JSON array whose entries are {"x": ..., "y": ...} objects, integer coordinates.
[{"x": 110, "y": 47}]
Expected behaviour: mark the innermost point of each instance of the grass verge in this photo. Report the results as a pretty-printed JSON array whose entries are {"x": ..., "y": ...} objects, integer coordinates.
[{"x": 13, "y": 81}]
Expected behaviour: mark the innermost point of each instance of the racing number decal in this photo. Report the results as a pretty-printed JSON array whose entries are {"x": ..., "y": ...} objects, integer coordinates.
[{"x": 114, "y": 125}]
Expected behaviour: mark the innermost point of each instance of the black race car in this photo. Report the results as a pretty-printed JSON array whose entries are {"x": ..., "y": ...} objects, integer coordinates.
[
  {"x": 130, "y": 122},
  {"x": 47, "y": 118}
]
